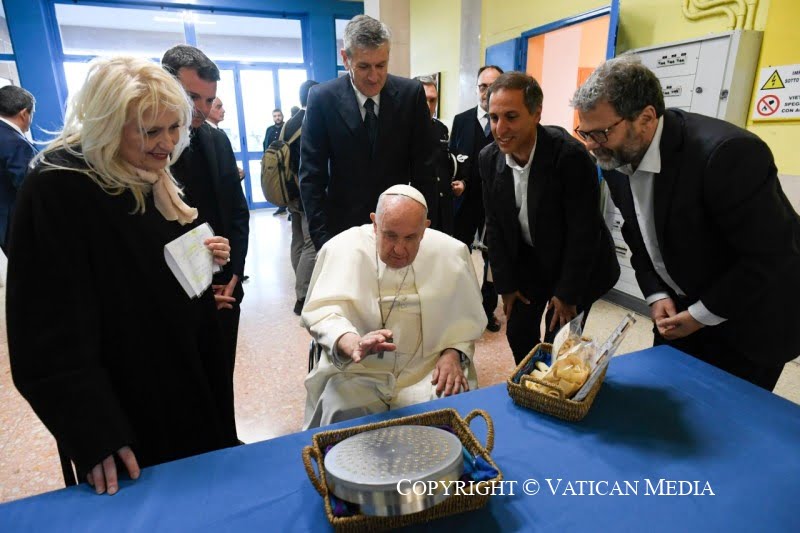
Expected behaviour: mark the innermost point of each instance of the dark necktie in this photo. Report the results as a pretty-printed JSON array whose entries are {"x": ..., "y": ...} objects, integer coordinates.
[
  {"x": 371, "y": 121},
  {"x": 487, "y": 130}
]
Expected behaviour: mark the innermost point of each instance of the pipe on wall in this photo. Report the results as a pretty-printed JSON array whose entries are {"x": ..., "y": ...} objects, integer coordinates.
[
  {"x": 750, "y": 18},
  {"x": 739, "y": 13},
  {"x": 743, "y": 17},
  {"x": 702, "y": 13}
]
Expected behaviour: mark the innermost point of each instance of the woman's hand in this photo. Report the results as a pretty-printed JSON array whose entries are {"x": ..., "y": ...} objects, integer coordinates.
[
  {"x": 103, "y": 476},
  {"x": 220, "y": 248}
]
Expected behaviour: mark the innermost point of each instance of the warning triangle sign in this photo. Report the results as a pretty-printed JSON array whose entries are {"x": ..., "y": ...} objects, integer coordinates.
[{"x": 774, "y": 82}]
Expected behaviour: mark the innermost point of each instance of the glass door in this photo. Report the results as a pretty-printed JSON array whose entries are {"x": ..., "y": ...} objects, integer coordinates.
[{"x": 262, "y": 91}]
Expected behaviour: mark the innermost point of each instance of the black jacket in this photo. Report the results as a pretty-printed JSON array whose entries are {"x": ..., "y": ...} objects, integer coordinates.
[
  {"x": 467, "y": 140},
  {"x": 340, "y": 178},
  {"x": 572, "y": 245},
  {"x": 104, "y": 343},
  {"x": 727, "y": 233},
  {"x": 216, "y": 156}
]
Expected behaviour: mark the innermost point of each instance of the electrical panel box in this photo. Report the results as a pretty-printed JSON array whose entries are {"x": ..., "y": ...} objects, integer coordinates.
[{"x": 712, "y": 76}]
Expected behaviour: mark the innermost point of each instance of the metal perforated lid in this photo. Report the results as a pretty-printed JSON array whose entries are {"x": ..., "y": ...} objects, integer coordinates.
[{"x": 367, "y": 467}]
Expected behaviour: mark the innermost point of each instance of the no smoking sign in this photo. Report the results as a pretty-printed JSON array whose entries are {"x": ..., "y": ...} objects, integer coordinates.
[{"x": 768, "y": 105}]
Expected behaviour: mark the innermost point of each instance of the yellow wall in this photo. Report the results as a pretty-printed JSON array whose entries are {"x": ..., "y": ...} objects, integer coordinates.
[
  {"x": 780, "y": 47},
  {"x": 505, "y": 19},
  {"x": 638, "y": 27},
  {"x": 435, "y": 43}
]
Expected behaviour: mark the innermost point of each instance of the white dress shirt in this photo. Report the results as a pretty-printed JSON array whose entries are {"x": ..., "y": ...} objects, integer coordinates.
[
  {"x": 641, "y": 182},
  {"x": 521, "y": 177},
  {"x": 212, "y": 124},
  {"x": 483, "y": 117},
  {"x": 12, "y": 125},
  {"x": 362, "y": 99}
]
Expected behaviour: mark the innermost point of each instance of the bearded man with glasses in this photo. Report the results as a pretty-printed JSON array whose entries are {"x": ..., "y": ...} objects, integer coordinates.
[{"x": 715, "y": 241}]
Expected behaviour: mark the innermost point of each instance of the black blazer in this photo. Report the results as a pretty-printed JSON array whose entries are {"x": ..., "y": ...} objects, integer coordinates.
[
  {"x": 572, "y": 244},
  {"x": 218, "y": 158},
  {"x": 340, "y": 179},
  {"x": 727, "y": 233},
  {"x": 467, "y": 140},
  {"x": 16, "y": 153}
]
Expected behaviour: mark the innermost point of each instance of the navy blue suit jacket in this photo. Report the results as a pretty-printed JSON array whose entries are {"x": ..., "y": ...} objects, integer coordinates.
[
  {"x": 16, "y": 153},
  {"x": 340, "y": 178}
]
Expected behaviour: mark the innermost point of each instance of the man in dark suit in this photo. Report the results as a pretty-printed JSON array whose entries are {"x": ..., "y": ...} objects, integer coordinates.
[
  {"x": 444, "y": 166},
  {"x": 363, "y": 133},
  {"x": 16, "y": 114},
  {"x": 207, "y": 170},
  {"x": 715, "y": 241},
  {"x": 471, "y": 133},
  {"x": 548, "y": 243}
]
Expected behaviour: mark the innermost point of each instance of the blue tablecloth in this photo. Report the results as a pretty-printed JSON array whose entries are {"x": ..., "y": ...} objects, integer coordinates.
[{"x": 660, "y": 415}]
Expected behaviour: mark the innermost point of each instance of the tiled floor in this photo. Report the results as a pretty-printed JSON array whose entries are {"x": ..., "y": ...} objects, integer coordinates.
[{"x": 270, "y": 366}]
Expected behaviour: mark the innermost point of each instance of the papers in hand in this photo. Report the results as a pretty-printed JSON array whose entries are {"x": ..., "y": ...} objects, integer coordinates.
[{"x": 190, "y": 261}]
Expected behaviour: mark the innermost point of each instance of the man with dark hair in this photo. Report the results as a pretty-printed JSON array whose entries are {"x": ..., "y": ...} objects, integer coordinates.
[
  {"x": 548, "y": 244},
  {"x": 444, "y": 167},
  {"x": 271, "y": 135},
  {"x": 273, "y": 131},
  {"x": 303, "y": 252},
  {"x": 363, "y": 133},
  {"x": 715, "y": 241},
  {"x": 471, "y": 133},
  {"x": 207, "y": 170},
  {"x": 16, "y": 114}
]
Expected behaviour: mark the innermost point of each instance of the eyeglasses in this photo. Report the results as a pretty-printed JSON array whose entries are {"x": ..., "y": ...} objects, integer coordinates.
[
  {"x": 483, "y": 86},
  {"x": 598, "y": 136}
]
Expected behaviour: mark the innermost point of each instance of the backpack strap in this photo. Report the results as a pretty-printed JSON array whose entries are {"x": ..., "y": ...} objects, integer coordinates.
[{"x": 295, "y": 135}]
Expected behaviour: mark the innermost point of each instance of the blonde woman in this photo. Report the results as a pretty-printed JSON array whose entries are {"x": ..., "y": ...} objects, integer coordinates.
[{"x": 119, "y": 363}]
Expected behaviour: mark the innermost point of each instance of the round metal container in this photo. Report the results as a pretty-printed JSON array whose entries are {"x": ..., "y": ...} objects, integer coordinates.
[{"x": 366, "y": 468}]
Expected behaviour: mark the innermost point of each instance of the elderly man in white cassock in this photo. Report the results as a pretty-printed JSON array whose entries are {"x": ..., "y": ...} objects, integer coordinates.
[{"x": 396, "y": 308}]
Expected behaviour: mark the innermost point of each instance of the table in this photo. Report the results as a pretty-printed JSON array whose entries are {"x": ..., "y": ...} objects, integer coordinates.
[{"x": 660, "y": 415}]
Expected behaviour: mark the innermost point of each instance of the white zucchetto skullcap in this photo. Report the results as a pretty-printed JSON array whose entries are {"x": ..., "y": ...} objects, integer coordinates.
[{"x": 408, "y": 191}]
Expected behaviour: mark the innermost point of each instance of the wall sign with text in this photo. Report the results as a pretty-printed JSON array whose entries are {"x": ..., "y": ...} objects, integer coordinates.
[{"x": 778, "y": 94}]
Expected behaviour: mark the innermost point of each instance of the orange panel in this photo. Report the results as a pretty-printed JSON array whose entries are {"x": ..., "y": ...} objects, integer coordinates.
[
  {"x": 535, "y": 57},
  {"x": 583, "y": 75},
  {"x": 593, "y": 41}
]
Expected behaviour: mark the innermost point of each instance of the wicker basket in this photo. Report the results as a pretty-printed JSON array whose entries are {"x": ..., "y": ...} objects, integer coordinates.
[
  {"x": 457, "y": 503},
  {"x": 560, "y": 407}
]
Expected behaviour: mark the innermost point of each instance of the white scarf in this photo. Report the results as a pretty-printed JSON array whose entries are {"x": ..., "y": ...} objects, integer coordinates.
[{"x": 167, "y": 196}]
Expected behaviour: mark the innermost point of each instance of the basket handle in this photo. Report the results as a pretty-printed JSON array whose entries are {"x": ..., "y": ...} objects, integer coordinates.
[
  {"x": 489, "y": 426},
  {"x": 528, "y": 377},
  {"x": 310, "y": 452}
]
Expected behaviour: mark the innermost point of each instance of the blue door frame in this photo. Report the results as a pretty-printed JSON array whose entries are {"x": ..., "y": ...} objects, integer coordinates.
[
  {"x": 249, "y": 153},
  {"x": 39, "y": 56},
  {"x": 515, "y": 51},
  {"x": 611, "y": 44}
]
